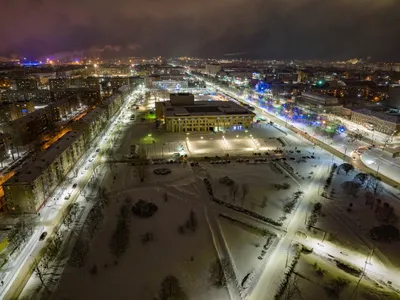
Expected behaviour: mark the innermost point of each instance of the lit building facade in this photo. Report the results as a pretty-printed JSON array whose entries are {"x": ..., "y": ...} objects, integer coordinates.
[
  {"x": 183, "y": 114},
  {"x": 29, "y": 188},
  {"x": 380, "y": 121}
]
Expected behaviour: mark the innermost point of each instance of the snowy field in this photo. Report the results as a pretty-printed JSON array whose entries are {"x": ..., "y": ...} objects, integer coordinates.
[
  {"x": 262, "y": 198},
  {"x": 350, "y": 227},
  {"x": 316, "y": 277},
  {"x": 142, "y": 267},
  {"x": 245, "y": 246}
]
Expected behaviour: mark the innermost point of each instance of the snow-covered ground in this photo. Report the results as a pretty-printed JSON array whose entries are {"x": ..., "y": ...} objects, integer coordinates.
[
  {"x": 359, "y": 220},
  {"x": 262, "y": 198},
  {"x": 315, "y": 275},
  {"x": 141, "y": 269}
]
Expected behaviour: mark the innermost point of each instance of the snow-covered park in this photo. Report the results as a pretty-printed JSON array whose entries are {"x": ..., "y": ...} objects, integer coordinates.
[{"x": 165, "y": 243}]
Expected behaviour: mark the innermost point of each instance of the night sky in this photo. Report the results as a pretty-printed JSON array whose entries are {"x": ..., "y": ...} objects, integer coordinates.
[{"x": 280, "y": 29}]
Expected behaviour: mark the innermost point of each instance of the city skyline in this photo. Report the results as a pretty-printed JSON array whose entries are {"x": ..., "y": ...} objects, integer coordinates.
[{"x": 261, "y": 29}]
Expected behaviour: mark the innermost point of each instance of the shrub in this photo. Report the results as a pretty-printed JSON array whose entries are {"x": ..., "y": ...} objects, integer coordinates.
[
  {"x": 347, "y": 267},
  {"x": 144, "y": 209}
]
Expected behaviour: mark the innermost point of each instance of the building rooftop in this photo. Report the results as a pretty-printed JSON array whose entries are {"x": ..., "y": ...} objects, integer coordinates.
[
  {"x": 29, "y": 117},
  {"x": 206, "y": 108},
  {"x": 108, "y": 100},
  {"x": 32, "y": 171},
  {"x": 390, "y": 117},
  {"x": 92, "y": 115}
]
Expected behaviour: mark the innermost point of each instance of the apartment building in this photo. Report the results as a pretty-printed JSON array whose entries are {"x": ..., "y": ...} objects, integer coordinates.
[
  {"x": 112, "y": 104},
  {"x": 30, "y": 187},
  {"x": 91, "y": 124},
  {"x": 26, "y": 129}
]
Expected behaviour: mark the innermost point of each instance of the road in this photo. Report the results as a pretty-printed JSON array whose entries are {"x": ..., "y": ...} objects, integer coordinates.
[
  {"x": 388, "y": 169},
  {"x": 272, "y": 275},
  {"x": 16, "y": 272}
]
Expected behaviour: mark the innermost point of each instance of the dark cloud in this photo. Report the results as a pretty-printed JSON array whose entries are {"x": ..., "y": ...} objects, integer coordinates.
[{"x": 259, "y": 28}]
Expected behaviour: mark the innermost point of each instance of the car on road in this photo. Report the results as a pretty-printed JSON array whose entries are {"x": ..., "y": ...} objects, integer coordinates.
[
  {"x": 43, "y": 236},
  {"x": 74, "y": 185},
  {"x": 98, "y": 150},
  {"x": 6, "y": 227}
]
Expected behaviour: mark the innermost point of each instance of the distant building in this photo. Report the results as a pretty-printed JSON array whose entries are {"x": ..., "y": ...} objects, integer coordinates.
[
  {"x": 112, "y": 70},
  {"x": 59, "y": 83},
  {"x": 26, "y": 84},
  {"x": 320, "y": 103},
  {"x": 26, "y": 129},
  {"x": 30, "y": 187},
  {"x": 61, "y": 109},
  {"x": 385, "y": 122},
  {"x": 9, "y": 112},
  {"x": 212, "y": 69},
  {"x": 39, "y": 96},
  {"x": 183, "y": 114}
]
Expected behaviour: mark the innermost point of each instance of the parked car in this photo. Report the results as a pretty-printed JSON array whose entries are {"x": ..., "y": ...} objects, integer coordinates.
[{"x": 43, "y": 236}]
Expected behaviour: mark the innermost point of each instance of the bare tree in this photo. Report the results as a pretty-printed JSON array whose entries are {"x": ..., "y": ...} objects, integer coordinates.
[
  {"x": 142, "y": 163},
  {"x": 94, "y": 219},
  {"x": 345, "y": 167},
  {"x": 291, "y": 288},
  {"x": 264, "y": 202},
  {"x": 374, "y": 184},
  {"x": 79, "y": 252},
  {"x": 71, "y": 213},
  {"x": 120, "y": 239},
  {"x": 245, "y": 190},
  {"x": 191, "y": 223},
  {"x": 234, "y": 191},
  {"x": 45, "y": 268},
  {"x": 221, "y": 272},
  {"x": 386, "y": 214},
  {"x": 21, "y": 233},
  {"x": 171, "y": 289},
  {"x": 361, "y": 177}
]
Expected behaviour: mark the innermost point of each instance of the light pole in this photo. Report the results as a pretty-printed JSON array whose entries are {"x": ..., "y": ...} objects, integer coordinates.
[{"x": 377, "y": 169}]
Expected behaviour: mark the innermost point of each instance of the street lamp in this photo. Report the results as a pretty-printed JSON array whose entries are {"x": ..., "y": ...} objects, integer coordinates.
[{"x": 377, "y": 169}]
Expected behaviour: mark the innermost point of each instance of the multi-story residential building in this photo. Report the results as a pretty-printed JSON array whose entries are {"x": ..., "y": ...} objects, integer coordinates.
[
  {"x": 42, "y": 96},
  {"x": 92, "y": 83},
  {"x": 386, "y": 122},
  {"x": 183, "y": 114},
  {"x": 64, "y": 107},
  {"x": 26, "y": 84},
  {"x": 30, "y": 187},
  {"x": 56, "y": 84},
  {"x": 26, "y": 107},
  {"x": 26, "y": 129},
  {"x": 5, "y": 145},
  {"x": 9, "y": 112},
  {"x": 112, "y": 104},
  {"x": 91, "y": 124}
]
